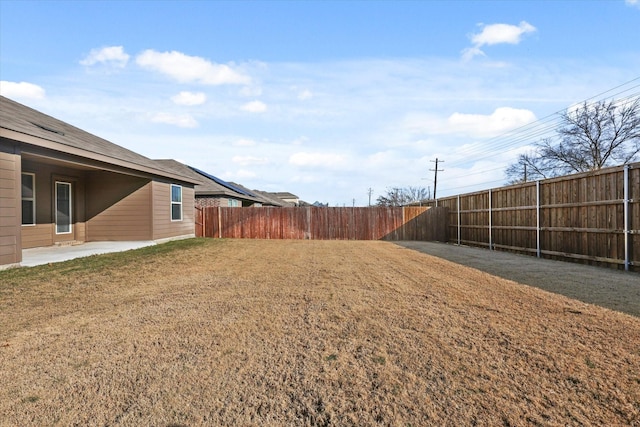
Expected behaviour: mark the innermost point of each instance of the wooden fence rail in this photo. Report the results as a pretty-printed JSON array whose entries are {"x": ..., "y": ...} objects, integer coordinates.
[
  {"x": 591, "y": 217},
  {"x": 374, "y": 223}
]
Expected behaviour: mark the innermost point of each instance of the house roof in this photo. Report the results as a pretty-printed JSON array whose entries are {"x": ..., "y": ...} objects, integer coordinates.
[
  {"x": 225, "y": 184},
  {"x": 266, "y": 198},
  {"x": 272, "y": 199},
  {"x": 26, "y": 125},
  {"x": 209, "y": 185},
  {"x": 285, "y": 195}
]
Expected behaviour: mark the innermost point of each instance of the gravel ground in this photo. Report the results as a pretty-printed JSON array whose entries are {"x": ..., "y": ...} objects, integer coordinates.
[{"x": 613, "y": 289}]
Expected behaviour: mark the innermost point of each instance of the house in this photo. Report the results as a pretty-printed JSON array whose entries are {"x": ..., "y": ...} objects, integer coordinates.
[
  {"x": 212, "y": 191},
  {"x": 60, "y": 185},
  {"x": 273, "y": 200},
  {"x": 268, "y": 199},
  {"x": 288, "y": 197}
]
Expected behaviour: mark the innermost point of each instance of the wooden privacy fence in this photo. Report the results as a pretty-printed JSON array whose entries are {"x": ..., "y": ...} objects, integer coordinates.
[
  {"x": 591, "y": 217},
  {"x": 373, "y": 223}
]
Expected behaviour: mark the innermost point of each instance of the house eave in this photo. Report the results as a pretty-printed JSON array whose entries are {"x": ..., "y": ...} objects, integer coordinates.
[{"x": 30, "y": 144}]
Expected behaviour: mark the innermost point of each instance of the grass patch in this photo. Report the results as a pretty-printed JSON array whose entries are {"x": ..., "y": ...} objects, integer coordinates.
[
  {"x": 99, "y": 263},
  {"x": 380, "y": 360},
  {"x": 259, "y": 332}
]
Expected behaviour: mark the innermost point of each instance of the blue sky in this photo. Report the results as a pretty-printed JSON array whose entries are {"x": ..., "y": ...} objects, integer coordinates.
[{"x": 323, "y": 99}]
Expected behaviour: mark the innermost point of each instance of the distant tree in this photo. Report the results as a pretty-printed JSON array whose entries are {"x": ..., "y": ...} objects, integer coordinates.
[
  {"x": 529, "y": 167},
  {"x": 592, "y": 136},
  {"x": 402, "y": 196}
]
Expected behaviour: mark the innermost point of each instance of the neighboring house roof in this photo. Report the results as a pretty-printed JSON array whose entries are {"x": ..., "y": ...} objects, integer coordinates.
[
  {"x": 224, "y": 183},
  {"x": 209, "y": 185},
  {"x": 266, "y": 198},
  {"x": 26, "y": 125},
  {"x": 285, "y": 195},
  {"x": 272, "y": 199}
]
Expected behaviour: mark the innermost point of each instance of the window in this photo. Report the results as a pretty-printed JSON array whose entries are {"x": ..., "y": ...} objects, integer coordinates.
[
  {"x": 176, "y": 203},
  {"x": 233, "y": 203},
  {"x": 28, "y": 199}
]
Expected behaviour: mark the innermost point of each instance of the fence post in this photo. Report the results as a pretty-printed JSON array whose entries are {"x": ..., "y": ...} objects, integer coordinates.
[
  {"x": 458, "y": 219},
  {"x": 490, "y": 229},
  {"x": 626, "y": 217},
  {"x": 538, "y": 249},
  {"x": 219, "y": 222}
]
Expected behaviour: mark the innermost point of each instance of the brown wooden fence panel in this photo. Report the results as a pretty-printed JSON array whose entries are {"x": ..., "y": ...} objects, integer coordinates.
[
  {"x": 389, "y": 223},
  {"x": 578, "y": 217},
  {"x": 199, "y": 225}
]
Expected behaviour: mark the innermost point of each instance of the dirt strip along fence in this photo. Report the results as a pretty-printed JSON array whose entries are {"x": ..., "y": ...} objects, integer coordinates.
[
  {"x": 371, "y": 223},
  {"x": 591, "y": 217}
]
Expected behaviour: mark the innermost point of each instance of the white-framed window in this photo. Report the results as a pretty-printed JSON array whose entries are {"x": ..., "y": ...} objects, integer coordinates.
[
  {"x": 233, "y": 203},
  {"x": 176, "y": 202},
  {"x": 63, "y": 207},
  {"x": 28, "y": 198}
]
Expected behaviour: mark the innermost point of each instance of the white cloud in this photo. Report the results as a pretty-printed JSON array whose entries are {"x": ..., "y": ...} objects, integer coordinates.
[
  {"x": 496, "y": 34},
  {"x": 361, "y": 112},
  {"x": 251, "y": 91},
  {"x": 249, "y": 160},
  {"x": 305, "y": 94},
  {"x": 114, "y": 56},
  {"x": 633, "y": 3},
  {"x": 239, "y": 175},
  {"x": 300, "y": 141},
  {"x": 502, "y": 120},
  {"x": 189, "y": 98},
  {"x": 502, "y": 33},
  {"x": 316, "y": 159},
  {"x": 187, "y": 69},
  {"x": 22, "y": 90},
  {"x": 244, "y": 142},
  {"x": 470, "y": 52},
  {"x": 183, "y": 121},
  {"x": 254, "y": 107}
]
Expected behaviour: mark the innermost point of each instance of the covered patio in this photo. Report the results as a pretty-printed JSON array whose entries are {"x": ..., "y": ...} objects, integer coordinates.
[{"x": 50, "y": 254}]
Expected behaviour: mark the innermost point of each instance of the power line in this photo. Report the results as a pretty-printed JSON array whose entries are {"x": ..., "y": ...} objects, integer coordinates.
[{"x": 519, "y": 137}]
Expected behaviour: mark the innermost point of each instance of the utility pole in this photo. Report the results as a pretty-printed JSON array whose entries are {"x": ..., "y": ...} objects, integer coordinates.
[
  {"x": 370, "y": 191},
  {"x": 435, "y": 179},
  {"x": 525, "y": 172}
]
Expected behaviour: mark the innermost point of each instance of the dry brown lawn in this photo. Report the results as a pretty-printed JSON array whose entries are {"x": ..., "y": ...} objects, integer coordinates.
[{"x": 242, "y": 332}]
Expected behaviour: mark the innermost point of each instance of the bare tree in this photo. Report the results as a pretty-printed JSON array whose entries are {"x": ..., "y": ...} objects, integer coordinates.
[
  {"x": 401, "y": 196},
  {"x": 529, "y": 167},
  {"x": 592, "y": 136}
]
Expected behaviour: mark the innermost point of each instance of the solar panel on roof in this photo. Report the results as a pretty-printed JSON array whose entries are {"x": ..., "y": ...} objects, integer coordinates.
[{"x": 224, "y": 183}]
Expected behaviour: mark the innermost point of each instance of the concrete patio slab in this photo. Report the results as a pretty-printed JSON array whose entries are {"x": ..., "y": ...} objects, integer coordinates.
[{"x": 50, "y": 254}]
